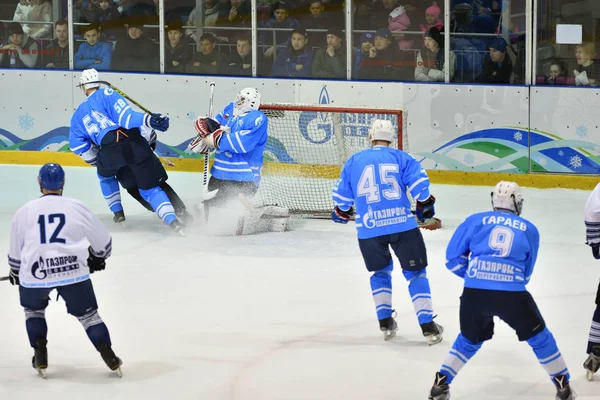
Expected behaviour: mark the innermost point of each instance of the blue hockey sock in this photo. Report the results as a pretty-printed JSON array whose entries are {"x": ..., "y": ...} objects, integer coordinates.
[
  {"x": 594, "y": 338},
  {"x": 95, "y": 328},
  {"x": 462, "y": 351},
  {"x": 545, "y": 348},
  {"x": 111, "y": 192},
  {"x": 381, "y": 285},
  {"x": 420, "y": 293},
  {"x": 35, "y": 323},
  {"x": 161, "y": 204}
]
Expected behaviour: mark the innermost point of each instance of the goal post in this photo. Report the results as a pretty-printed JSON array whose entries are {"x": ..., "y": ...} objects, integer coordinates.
[{"x": 307, "y": 147}]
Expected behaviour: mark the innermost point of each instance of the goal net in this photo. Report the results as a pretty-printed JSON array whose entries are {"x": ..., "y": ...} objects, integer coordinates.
[{"x": 307, "y": 147}]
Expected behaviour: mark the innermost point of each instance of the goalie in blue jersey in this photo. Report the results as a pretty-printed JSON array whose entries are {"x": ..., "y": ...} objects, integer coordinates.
[
  {"x": 375, "y": 182},
  {"x": 103, "y": 133},
  {"x": 495, "y": 253}
]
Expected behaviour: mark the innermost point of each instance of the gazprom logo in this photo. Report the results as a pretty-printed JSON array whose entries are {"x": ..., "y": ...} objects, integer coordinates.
[
  {"x": 322, "y": 133},
  {"x": 324, "y": 99}
]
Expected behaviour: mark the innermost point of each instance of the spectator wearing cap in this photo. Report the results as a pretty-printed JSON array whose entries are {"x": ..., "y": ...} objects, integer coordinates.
[
  {"x": 430, "y": 60},
  {"x": 178, "y": 48},
  {"x": 361, "y": 53},
  {"x": 20, "y": 51},
  {"x": 497, "y": 67},
  {"x": 385, "y": 61},
  {"x": 135, "y": 52},
  {"x": 207, "y": 60},
  {"x": 398, "y": 21},
  {"x": 432, "y": 18},
  {"x": 295, "y": 60},
  {"x": 281, "y": 20},
  {"x": 330, "y": 61},
  {"x": 93, "y": 53},
  {"x": 35, "y": 11}
]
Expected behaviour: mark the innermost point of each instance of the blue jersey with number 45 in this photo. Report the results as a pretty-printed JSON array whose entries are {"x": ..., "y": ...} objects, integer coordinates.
[
  {"x": 375, "y": 181},
  {"x": 104, "y": 110},
  {"x": 494, "y": 250}
]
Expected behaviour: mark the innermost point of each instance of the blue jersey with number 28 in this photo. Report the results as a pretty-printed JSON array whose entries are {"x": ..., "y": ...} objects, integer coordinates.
[
  {"x": 494, "y": 250},
  {"x": 375, "y": 181},
  {"x": 104, "y": 110}
]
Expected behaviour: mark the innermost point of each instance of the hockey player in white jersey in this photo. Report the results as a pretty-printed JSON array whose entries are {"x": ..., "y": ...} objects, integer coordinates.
[
  {"x": 56, "y": 243},
  {"x": 592, "y": 227}
]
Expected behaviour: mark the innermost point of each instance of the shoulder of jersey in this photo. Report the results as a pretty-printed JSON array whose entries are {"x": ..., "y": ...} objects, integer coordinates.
[{"x": 257, "y": 117}]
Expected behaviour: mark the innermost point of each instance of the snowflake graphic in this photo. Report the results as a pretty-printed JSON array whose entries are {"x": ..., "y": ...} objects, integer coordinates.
[
  {"x": 561, "y": 153},
  {"x": 469, "y": 159},
  {"x": 575, "y": 161},
  {"x": 581, "y": 131},
  {"x": 518, "y": 136},
  {"x": 26, "y": 122},
  {"x": 496, "y": 151},
  {"x": 542, "y": 161}
]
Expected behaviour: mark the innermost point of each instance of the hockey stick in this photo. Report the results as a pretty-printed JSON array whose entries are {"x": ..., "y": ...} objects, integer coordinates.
[
  {"x": 206, "y": 194},
  {"x": 3, "y": 278}
]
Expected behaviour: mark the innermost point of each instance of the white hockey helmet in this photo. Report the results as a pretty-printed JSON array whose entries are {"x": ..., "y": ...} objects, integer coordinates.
[
  {"x": 507, "y": 196},
  {"x": 381, "y": 129},
  {"x": 89, "y": 79},
  {"x": 246, "y": 100}
]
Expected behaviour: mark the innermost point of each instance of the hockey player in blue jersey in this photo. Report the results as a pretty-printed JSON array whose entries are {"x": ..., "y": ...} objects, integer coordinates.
[
  {"x": 103, "y": 132},
  {"x": 495, "y": 253},
  {"x": 375, "y": 182},
  {"x": 239, "y": 136}
]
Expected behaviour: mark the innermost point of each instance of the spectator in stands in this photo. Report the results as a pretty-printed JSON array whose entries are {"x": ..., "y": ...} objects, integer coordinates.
[
  {"x": 58, "y": 49},
  {"x": 380, "y": 13},
  {"x": 235, "y": 13},
  {"x": 240, "y": 61},
  {"x": 399, "y": 21},
  {"x": 385, "y": 61},
  {"x": 135, "y": 52},
  {"x": 432, "y": 18},
  {"x": 430, "y": 60},
  {"x": 555, "y": 76},
  {"x": 362, "y": 15},
  {"x": 316, "y": 17},
  {"x": 35, "y": 11},
  {"x": 361, "y": 53},
  {"x": 178, "y": 48},
  {"x": 497, "y": 67},
  {"x": 20, "y": 51},
  {"x": 107, "y": 12},
  {"x": 89, "y": 12},
  {"x": 93, "y": 53},
  {"x": 281, "y": 20},
  {"x": 330, "y": 61},
  {"x": 295, "y": 60},
  {"x": 211, "y": 11},
  {"x": 207, "y": 60},
  {"x": 587, "y": 72}
]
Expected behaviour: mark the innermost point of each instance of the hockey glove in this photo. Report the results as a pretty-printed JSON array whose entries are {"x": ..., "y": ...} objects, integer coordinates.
[
  {"x": 206, "y": 125},
  {"x": 95, "y": 263},
  {"x": 213, "y": 140},
  {"x": 425, "y": 209},
  {"x": 159, "y": 122},
  {"x": 197, "y": 146},
  {"x": 596, "y": 250},
  {"x": 340, "y": 216},
  {"x": 13, "y": 277}
]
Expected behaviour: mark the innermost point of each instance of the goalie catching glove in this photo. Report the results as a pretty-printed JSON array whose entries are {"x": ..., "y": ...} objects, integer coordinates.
[
  {"x": 209, "y": 135},
  {"x": 340, "y": 216}
]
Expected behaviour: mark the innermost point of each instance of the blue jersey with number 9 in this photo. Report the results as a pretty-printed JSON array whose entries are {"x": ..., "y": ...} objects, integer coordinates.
[
  {"x": 376, "y": 181},
  {"x": 494, "y": 250},
  {"x": 104, "y": 110}
]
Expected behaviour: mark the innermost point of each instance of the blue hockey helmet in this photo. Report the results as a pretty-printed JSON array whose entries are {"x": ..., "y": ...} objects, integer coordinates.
[{"x": 51, "y": 177}]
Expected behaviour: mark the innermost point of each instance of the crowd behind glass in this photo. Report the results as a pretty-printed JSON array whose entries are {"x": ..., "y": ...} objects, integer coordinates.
[{"x": 393, "y": 40}]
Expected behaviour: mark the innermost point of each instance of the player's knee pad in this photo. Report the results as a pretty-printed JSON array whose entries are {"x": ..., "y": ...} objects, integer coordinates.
[
  {"x": 412, "y": 275},
  {"x": 540, "y": 339},
  {"x": 30, "y": 314},
  {"x": 149, "y": 194},
  {"x": 385, "y": 271},
  {"x": 467, "y": 346},
  {"x": 90, "y": 319}
]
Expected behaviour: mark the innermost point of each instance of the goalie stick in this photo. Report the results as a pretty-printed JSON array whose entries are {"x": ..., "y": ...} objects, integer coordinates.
[
  {"x": 206, "y": 195},
  {"x": 3, "y": 278}
]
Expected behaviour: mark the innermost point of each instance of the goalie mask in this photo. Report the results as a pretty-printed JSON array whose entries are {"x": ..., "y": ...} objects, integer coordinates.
[
  {"x": 89, "y": 79},
  {"x": 381, "y": 130},
  {"x": 247, "y": 99},
  {"x": 507, "y": 196}
]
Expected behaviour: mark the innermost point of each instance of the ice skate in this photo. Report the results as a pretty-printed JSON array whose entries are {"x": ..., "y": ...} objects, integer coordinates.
[
  {"x": 177, "y": 227},
  {"x": 592, "y": 364},
  {"x": 389, "y": 327},
  {"x": 39, "y": 361},
  {"x": 440, "y": 389},
  {"x": 112, "y": 361},
  {"x": 119, "y": 219},
  {"x": 432, "y": 332},
  {"x": 185, "y": 217},
  {"x": 563, "y": 388}
]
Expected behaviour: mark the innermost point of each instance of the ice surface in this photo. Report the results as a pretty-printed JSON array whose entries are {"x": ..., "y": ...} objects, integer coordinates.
[{"x": 283, "y": 316}]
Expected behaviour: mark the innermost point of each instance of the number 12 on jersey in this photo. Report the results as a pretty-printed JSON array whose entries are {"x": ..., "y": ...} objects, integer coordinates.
[
  {"x": 368, "y": 186},
  {"x": 60, "y": 218}
]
